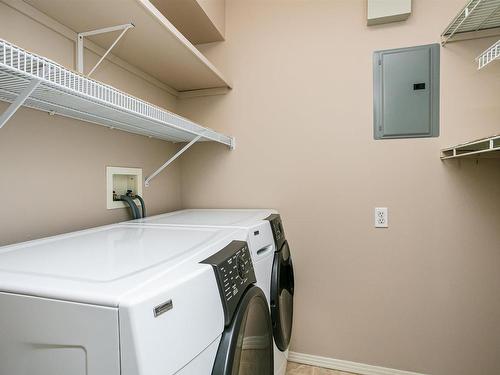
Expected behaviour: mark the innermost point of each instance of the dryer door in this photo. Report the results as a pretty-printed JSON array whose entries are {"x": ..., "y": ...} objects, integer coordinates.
[
  {"x": 246, "y": 347},
  {"x": 282, "y": 288}
]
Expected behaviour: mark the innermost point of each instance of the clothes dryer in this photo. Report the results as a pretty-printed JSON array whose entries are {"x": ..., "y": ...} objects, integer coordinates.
[{"x": 270, "y": 252}]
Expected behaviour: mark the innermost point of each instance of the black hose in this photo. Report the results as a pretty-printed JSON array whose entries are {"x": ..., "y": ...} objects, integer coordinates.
[
  {"x": 143, "y": 205},
  {"x": 133, "y": 207}
]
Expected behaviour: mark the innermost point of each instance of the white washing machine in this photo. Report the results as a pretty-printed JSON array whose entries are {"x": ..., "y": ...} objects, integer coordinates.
[
  {"x": 123, "y": 300},
  {"x": 270, "y": 253}
]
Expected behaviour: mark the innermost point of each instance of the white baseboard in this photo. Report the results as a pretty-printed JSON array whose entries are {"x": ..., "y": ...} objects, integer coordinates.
[{"x": 341, "y": 365}]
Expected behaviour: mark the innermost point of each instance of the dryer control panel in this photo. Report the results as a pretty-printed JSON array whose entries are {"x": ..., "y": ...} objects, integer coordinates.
[
  {"x": 278, "y": 231},
  {"x": 234, "y": 273}
]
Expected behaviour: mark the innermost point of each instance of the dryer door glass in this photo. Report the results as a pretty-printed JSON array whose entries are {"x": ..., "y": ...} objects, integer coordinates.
[
  {"x": 282, "y": 289},
  {"x": 246, "y": 346}
]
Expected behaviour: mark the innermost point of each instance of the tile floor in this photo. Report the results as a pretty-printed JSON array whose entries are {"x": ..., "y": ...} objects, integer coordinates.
[{"x": 299, "y": 369}]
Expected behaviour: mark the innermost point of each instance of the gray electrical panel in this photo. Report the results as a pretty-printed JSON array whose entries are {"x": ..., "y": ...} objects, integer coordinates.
[{"x": 406, "y": 92}]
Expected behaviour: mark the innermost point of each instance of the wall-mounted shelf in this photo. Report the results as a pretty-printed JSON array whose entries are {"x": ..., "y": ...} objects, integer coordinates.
[
  {"x": 36, "y": 82},
  {"x": 154, "y": 46},
  {"x": 481, "y": 148},
  {"x": 491, "y": 54},
  {"x": 479, "y": 18},
  {"x": 192, "y": 20}
]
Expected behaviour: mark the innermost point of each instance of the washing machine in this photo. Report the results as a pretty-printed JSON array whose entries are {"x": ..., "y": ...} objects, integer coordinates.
[
  {"x": 271, "y": 255},
  {"x": 123, "y": 300}
]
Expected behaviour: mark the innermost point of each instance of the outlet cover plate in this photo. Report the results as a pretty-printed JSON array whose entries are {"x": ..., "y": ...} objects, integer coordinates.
[{"x": 381, "y": 217}]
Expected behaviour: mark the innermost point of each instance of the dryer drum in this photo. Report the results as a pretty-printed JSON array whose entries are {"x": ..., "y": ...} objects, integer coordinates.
[
  {"x": 282, "y": 290},
  {"x": 246, "y": 347}
]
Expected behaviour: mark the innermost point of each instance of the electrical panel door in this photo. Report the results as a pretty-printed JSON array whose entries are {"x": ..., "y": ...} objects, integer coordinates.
[{"x": 406, "y": 92}]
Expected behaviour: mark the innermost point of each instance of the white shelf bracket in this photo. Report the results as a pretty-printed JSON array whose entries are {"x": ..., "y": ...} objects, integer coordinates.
[
  {"x": 79, "y": 44},
  {"x": 21, "y": 98},
  {"x": 169, "y": 161}
]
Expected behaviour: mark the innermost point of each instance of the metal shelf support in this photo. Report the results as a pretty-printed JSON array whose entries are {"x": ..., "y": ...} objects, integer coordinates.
[
  {"x": 81, "y": 36},
  {"x": 169, "y": 161},
  {"x": 21, "y": 98},
  {"x": 466, "y": 12}
]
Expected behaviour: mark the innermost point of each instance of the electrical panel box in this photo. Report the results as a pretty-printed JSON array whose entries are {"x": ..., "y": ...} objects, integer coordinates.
[
  {"x": 406, "y": 92},
  {"x": 119, "y": 180}
]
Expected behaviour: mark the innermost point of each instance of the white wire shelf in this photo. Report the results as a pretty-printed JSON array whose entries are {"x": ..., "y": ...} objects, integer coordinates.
[
  {"x": 491, "y": 54},
  {"x": 482, "y": 148},
  {"x": 475, "y": 17},
  {"x": 57, "y": 90}
]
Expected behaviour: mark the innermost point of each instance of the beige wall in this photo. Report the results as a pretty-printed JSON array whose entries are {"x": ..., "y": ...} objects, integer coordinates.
[
  {"x": 52, "y": 169},
  {"x": 422, "y": 295}
]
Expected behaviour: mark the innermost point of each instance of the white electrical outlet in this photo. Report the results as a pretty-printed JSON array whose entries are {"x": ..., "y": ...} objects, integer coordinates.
[{"x": 381, "y": 217}]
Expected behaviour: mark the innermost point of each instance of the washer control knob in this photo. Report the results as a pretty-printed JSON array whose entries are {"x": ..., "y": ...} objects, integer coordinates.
[{"x": 240, "y": 263}]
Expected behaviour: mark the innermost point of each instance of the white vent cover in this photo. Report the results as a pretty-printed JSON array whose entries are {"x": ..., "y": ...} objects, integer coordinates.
[{"x": 385, "y": 11}]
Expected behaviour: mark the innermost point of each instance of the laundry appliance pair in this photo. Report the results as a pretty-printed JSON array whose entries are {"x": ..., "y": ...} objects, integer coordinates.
[
  {"x": 135, "y": 299},
  {"x": 271, "y": 255}
]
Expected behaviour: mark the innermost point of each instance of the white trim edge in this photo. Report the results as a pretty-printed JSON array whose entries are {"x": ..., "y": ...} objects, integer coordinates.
[{"x": 341, "y": 365}]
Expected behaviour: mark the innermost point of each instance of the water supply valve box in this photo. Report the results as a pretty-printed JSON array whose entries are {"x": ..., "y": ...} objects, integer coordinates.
[{"x": 119, "y": 180}]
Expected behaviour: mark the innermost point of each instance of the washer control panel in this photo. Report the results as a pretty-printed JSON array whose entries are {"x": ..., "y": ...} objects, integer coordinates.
[{"x": 234, "y": 272}]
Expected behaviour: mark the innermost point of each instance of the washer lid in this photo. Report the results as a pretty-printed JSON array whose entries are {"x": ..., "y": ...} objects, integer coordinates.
[
  {"x": 99, "y": 265},
  {"x": 210, "y": 217}
]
